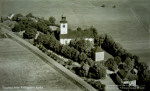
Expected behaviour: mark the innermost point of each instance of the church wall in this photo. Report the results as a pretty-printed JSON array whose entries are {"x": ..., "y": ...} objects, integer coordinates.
[
  {"x": 65, "y": 41},
  {"x": 99, "y": 56},
  {"x": 63, "y": 28},
  {"x": 90, "y": 39}
]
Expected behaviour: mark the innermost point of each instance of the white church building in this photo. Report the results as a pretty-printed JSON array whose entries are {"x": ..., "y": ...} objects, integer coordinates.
[{"x": 66, "y": 36}]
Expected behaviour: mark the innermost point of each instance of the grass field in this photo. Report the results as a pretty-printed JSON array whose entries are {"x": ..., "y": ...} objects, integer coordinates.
[
  {"x": 128, "y": 23},
  {"x": 20, "y": 67}
]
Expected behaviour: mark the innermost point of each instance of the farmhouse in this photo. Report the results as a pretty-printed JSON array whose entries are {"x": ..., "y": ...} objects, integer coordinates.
[
  {"x": 127, "y": 77},
  {"x": 66, "y": 36}
]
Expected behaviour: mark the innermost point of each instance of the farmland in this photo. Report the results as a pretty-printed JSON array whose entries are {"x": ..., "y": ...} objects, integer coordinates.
[
  {"x": 19, "y": 67},
  {"x": 128, "y": 23}
]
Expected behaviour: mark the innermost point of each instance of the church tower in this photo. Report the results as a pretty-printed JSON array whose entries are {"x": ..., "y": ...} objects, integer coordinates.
[{"x": 63, "y": 26}]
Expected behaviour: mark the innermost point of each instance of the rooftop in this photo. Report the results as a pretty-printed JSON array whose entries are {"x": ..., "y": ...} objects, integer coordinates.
[
  {"x": 98, "y": 49},
  {"x": 63, "y": 20},
  {"x": 77, "y": 34},
  {"x": 126, "y": 75}
]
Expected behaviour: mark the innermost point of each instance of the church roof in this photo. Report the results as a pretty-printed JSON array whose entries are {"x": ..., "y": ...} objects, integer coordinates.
[
  {"x": 63, "y": 20},
  {"x": 98, "y": 49},
  {"x": 77, "y": 34}
]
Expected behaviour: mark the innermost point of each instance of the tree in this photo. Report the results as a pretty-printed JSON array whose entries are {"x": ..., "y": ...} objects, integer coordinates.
[
  {"x": 16, "y": 17},
  {"x": 3, "y": 18},
  {"x": 97, "y": 40},
  {"x": 84, "y": 69},
  {"x": 121, "y": 52},
  {"x": 82, "y": 46},
  {"x": 79, "y": 29},
  {"x": 98, "y": 85},
  {"x": 129, "y": 63},
  {"x": 42, "y": 39},
  {"x": 52, "y": 42},
  {"x": 136, "y": 60},
  {"x": 94, "y": 31},
  {"x": 17, "y": 28},
  {"x": 142, "y": 66},
  {"x": 108, "y": 44},
  {"x": 29, "y": 33},
  {"x": 127, "y": 55},
  {"x": 89, "y": 61},
  {"x": 124, "y": 67},
  {"x": 76, "y": 57},
  {"x": 111, "y": 64},
  {"x": 52, "y": 20},
  {"x": 97, "y": 72},
  {"x": 117, "y": 59},
  {"x": 41, "y": 26},
  {"x": 101, "y": 39},
  {"x": 82, "y": 57},
  {"x": 29, "y": 15},
  {"x": 144, "y": 79},
  {"x": 116, "y": 47},
  {"x": 57, "y": 47}
]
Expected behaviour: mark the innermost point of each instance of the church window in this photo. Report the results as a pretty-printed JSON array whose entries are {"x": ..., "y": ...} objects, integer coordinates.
[{"x": 63, "y": 26}]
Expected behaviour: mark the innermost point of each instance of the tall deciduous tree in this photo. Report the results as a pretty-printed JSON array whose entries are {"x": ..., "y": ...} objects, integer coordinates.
[
  {"x": 29, "y": 33},
  {"x": 117, "y": 59},
  {"x": 129, "y": 63},
  {"x": 82, "y": 57},
  {"x": 111, "y": 64},
  {"x": 29, "y": 15},
  {"x": 142, "y": 66},
  {"x": 97, "y": 72},
  {"x": 17, "y": 28},
  {"x": 16, "y": 17},
  {"x": 52, "y": 20},
  {"x": 79, "y": 29}
]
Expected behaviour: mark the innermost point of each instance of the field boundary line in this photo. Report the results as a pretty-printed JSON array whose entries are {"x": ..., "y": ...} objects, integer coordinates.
[
  {"x": 58, "y": 67},
  {"x": 133, "y": 12}
]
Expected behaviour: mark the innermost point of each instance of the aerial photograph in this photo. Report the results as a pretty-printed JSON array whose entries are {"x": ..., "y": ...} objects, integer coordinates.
[{"x": 74, "y": 45}]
